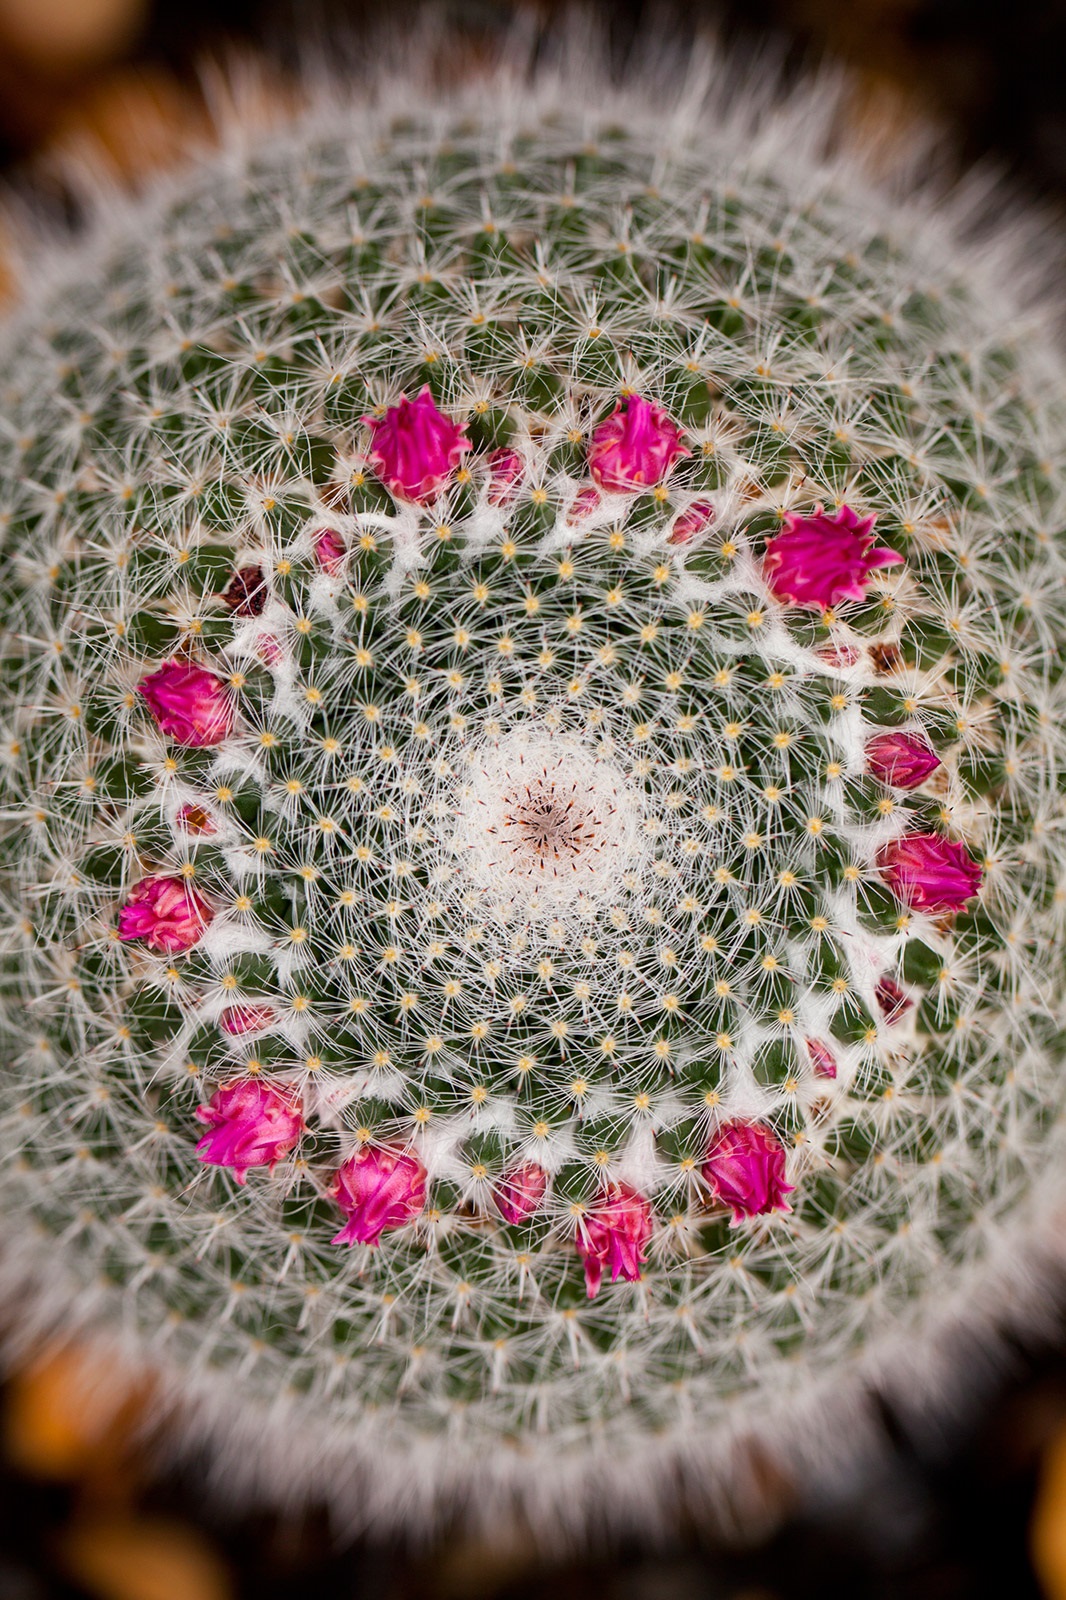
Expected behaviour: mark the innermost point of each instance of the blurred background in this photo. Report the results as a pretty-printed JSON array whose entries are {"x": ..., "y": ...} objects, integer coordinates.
[{"x": 978, "y": 1511}]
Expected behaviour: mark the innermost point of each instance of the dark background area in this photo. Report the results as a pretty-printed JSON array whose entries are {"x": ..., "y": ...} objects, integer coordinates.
[
  {"x": 994, "y": 69},
  {"x": 980, "y": 1511}
]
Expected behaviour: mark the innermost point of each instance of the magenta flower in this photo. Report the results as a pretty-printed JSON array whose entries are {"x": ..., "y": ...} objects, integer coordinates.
[
  {"x": 506, "y": 471},
  {"x": 239, "y": 1020},
  {"x": 251, "y": 1125},
  {"x": 520, "y": 1192},
  {"x": 189, "y": 703},
  {"x": 823, "y": 1061},
  {"x": 416, "y": 448},
  {"x": 691, "y": 523},
  {"x": 744, "y": 1168},
  {"x": 614, "y": 1233},
  {"x": 901, "y": 760},
  {"x": 167, "y": 913},
  {"x": 929, "y": 872},
  {"x": 380, "y": 1189},
  {"x": 635, "y": 446},
  {"x": 818, "y": 559},
  {"x": 246, "y": 592},
  {"x": 892, "y": 1001},
  {"x": 330, "y": 550},
  {"x": 194, "y": 819}
]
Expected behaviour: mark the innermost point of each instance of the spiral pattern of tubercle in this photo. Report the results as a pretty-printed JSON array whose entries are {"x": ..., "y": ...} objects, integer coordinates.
[{"x": 185, "y": 476}]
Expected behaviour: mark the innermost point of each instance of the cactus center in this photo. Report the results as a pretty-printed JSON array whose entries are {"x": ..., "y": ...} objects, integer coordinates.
[{"x": 545, "y": 822}]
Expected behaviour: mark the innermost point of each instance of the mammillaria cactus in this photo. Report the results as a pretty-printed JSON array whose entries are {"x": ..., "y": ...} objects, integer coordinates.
[{"x": 533, "y": 714}]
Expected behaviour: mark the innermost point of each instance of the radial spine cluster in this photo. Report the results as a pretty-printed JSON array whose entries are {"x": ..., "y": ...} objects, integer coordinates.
[{"x": 533, "y": 848}]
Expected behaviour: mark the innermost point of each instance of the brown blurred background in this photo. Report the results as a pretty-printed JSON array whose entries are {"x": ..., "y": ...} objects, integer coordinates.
[
  {"x": 996, "y": 69},
  {"x": 84, "y": 1514}
]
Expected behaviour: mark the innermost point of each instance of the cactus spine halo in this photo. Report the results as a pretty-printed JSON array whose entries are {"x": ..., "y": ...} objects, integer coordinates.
[{"x": 533, "y": 849}]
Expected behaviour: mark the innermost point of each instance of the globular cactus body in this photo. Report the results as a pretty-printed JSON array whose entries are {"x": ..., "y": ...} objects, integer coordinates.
[{"x": 532, "y": 715}]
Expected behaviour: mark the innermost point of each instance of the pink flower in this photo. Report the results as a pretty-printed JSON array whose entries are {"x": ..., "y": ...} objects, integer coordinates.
[
  {"x": 330, "y": 550},
  {"x": 614, "y": 1234},
  {"x": 380, "y": 1189},
  {"x": 251, "y": 1125},
  {"x": 192, "y": 818},
  {"x": 520, "y": 1192},
  {"x": 167, "y": 913},
  {"x": 817, "y": 560},
  {"x": 745, "y": 1169},
  {"x": 929, "y": 872},
  {"x": 246, "y": 592},
  {"x": 901, "y": 759},
  {"x": 692, "y": 522},
  {"x": 823, "y": 1061},
  {"x": 635, "y": 446},
  {"x": 892, "y": 1001},
  {"x": 506, "y": 471},
  {"x": 416, "y": 448},
  {"x": 584, "y": 503},
  {"x": 189, "y": 703},
  {"x": 239, "y": 1020}
]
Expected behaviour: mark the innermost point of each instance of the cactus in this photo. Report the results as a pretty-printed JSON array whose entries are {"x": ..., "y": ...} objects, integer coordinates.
[{"x": 532, "y": 755}]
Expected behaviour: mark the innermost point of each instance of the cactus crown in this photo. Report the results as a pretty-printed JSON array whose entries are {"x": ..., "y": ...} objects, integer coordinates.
[{"x": 531, "y": 713}]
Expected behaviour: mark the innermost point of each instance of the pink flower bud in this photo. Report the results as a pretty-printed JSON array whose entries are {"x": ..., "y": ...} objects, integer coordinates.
[
  {"x": 189, "y": 703},
  {"x": 744, "y": 1168},
  {"x": 635, "y": 446},
  {"x": 817, "y": 560},
  {"x": 416, "y": 448},
  {"x": 691, "y": 523},
  {"x": 192, "y": 818},
  {"x": 239, "y": 1020},
  {"x": 380, "y": 1189},
  {"x": 584, "y": 503},
  {"x": 520, "y": 1192},
  {"x": 929, "y": 872},
  {"x": 251, "y": 1125},
  {"x": 167, "y": 913},
  {"x": 823, "y": 1061},
  {"x": 614, "y": 1233},
  {"x": 506, "y": 471},
  {"x": 268, "y": 649},
  {"x": 892, "y": 1001},
  {"x": 330, "y": 550},
  {"x": 839, "y": 655},
  {"x": 246, "y": 592},
  {"x": 901, "y": 759}
]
